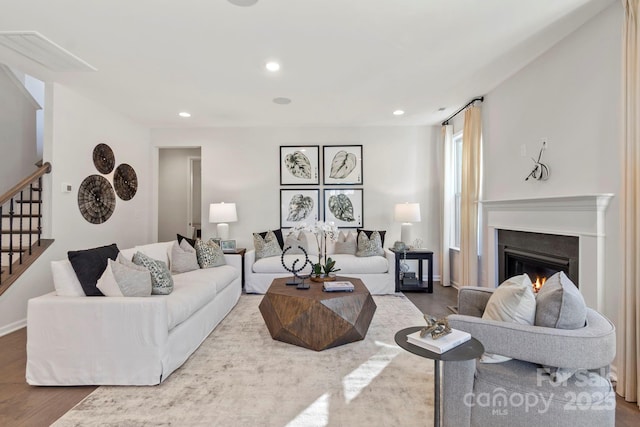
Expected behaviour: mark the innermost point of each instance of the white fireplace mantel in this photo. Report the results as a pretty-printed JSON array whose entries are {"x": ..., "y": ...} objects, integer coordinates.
[{"x": 582, "y": 216}]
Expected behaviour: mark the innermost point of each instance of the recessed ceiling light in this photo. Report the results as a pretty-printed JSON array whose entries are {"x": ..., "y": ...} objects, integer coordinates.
[
  {"x": 272, "y": 66},
  {"x": 282, "y": 101},
  {"x": 243, "y": 3},
  {"x": 184, "y": 114},
  {"x": 398, "y": 113}
]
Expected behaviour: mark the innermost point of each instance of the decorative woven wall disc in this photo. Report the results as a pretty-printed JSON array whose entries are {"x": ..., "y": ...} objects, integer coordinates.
[
  {"x": 125, "y": 181},
  {"x": 96, "y": 199},
  {"x": 103, "y": 158}
]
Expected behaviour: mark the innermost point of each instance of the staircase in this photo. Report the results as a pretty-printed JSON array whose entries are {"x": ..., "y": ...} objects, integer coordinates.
[{"x": 21, "y": 227}]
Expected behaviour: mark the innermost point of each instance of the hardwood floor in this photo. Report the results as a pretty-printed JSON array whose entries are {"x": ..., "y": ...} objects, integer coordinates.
[{"x": 24, "y": 405}]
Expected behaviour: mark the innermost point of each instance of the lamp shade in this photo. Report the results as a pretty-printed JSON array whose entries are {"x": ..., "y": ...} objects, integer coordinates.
[
  {"x": 222, "y": 212},
  {"x": 407, "y": 212}
]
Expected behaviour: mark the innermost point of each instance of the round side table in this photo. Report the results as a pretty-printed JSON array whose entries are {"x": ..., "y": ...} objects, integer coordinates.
[{"x": 465, "y": 351}]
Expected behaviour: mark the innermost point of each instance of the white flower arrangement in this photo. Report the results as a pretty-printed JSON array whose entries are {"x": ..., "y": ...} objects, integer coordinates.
[{"x": 322, "y": 231}]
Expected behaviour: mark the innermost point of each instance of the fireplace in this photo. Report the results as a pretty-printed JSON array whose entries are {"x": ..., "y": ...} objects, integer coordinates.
[{"x": 539, "y": 255}]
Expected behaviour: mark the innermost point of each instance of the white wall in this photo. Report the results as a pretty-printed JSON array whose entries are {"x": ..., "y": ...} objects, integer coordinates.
[
  {"x": 74, "y": 126},
  {"x": 570, "y": 97},
  {"x": 242, "y": 166},
  {"x": 174, "y": 182}
]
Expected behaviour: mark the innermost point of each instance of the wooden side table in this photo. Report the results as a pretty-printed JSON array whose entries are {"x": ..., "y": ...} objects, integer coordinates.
[
  {"x": 420, "y": 255},
  {"x": 241, "y": 252},
  {"x": 465, "y": 351}
]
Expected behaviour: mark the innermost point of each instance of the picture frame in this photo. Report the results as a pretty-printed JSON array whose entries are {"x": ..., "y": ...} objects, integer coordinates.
[
  {"x": 299, "y": 165},
  {"x": 228, "y": 245},
  {"x": 217, "y": 241},
  {"x": 342, "y": 164},
  {"x": 344, "y": 207},
  {"x": 299, "y": 206}
]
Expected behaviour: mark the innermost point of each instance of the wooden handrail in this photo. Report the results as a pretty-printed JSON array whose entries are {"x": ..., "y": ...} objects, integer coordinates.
[{"x": 44, "y": 169}]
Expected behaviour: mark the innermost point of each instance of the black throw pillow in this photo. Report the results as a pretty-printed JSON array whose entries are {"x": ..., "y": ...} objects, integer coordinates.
[
  {"x": 368, "y": 233},
  {"x": 192, "y": 242},
  {"x": 278, "y": 234},
  {"x": 89, "y": 264}
]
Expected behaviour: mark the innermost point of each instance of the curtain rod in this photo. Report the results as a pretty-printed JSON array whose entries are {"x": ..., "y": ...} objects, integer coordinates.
[{"x": 478, "y": 98}]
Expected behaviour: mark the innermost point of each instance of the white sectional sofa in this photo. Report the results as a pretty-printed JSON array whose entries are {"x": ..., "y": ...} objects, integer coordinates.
[
  {"x": 79, "y": 340},
  {"x": 376, "y": 272}
]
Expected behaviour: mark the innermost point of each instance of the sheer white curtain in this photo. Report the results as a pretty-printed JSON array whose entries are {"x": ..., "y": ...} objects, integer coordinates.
[
  {"x": 446, "y": 190},
  {"x": 470, "y": 194},
  {"x": 628, "y": 329}
]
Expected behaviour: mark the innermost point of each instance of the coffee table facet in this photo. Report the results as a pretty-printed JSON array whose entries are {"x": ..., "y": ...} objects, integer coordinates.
[{"x": 315, "y": 319}]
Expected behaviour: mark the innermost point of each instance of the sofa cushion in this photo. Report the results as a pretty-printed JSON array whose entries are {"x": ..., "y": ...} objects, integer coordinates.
[
  {"x": 65, "y": 281},
  {"x": 161, "y": 280},
  {"x": 274, "y": 264},
  {"x": 559, "y": 304},
  {"x": 191, "y": 291},
  {"x": 209, "y": 254},
  {"x": 350, "y": 264},
  {"x": 183, "y": 257},
  {"x": 266, "y": 246},
  {"x": 159, "y": 251},
  {"x": 369, "y": 245},
  {"x": 89, "y": 264}
]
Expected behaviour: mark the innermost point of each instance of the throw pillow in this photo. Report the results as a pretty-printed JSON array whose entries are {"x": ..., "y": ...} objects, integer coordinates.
[
  {"x": 369, "y": 232},
  {"x": 161, "y": 280},
  {"x": 65, "y": 280},
  {"x": 122, "y": 278},
  {"x": 209, "y": 254},
  {"x": 369, "y": 245},
  {"x": 191, "y": 242},
  {"x": 513, "y": 301},
  {"x": 183, "y": 257},
  {"x": 559, "y": 304},
  {"x": 277, "y": 233},
  {"x": 89, "y": 265},
  {"x": 266, "y": 246},
  {"x": 295, "y": 241},
  {"x": 346, "y": 244}
]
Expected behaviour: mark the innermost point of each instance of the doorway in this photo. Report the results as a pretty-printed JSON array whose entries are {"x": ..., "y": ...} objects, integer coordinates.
[{"x": 179, "y": 193}]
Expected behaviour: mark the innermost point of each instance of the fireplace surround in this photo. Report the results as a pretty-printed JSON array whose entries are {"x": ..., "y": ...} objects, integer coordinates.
[{"x": 580, "y": 216}]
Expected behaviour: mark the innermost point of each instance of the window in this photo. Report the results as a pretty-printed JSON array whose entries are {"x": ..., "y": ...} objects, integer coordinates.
[{"x": 457, "y": 188}]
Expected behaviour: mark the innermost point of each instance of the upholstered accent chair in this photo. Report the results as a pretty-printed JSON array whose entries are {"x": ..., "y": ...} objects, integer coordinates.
[{"x": 519, "y": 392}]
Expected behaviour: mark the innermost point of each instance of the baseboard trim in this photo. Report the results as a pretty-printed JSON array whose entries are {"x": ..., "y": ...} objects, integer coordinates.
[{"x": 12, "y": 327}]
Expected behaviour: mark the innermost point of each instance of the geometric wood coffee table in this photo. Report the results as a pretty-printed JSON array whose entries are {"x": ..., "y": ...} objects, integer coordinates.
[{"x": 316, "y": 319}]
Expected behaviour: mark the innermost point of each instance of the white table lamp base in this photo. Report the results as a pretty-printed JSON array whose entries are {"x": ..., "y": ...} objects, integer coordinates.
[
  {"x": 223, "y": 231},
  {"x": 405, "y": 233}
]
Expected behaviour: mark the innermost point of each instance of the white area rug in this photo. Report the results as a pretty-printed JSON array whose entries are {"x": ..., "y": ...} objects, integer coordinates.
[{"x": 241, "y": 377}]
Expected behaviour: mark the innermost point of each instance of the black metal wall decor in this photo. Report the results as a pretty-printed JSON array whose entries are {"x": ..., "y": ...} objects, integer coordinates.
[
  {"x": 540, "y": 171},
  {"x": 103, "y": 158},
  {"x": 96, "y": 199},
  {"x": 125, "y": 181}
]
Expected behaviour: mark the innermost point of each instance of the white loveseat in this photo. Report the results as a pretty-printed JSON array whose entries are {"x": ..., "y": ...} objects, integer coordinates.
[
  {"x": 79, "y": 340},
  {"x": 376, "y": 272}
]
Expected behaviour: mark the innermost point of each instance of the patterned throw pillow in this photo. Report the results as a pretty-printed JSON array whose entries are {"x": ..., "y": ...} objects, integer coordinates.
[
  {"x": 267, "y": 246},
  {"x": 183, "y": 257},
  {"x": 209, "y": 254},
  {"x": 294, "y": 240},
  {"x": 369, "y": 246},
  {"x": 161, "y": 280}
]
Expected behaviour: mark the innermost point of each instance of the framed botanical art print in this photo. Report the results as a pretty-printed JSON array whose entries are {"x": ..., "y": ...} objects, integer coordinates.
[
  {"x": 343, "y": 207},
  {"x": 299, "y": 165},
  {"x": 299, "y": 206},
  {"x": 342, "y": 164}
]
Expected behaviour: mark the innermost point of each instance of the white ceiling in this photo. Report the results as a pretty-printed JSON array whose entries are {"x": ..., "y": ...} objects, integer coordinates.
[{"x": 344, "y": 62}]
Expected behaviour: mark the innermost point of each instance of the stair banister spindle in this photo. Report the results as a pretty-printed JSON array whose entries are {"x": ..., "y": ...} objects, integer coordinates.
[
  {"x": 21, "y": 227},
  {"x": 39, "y": 209},
  {"x": 11, "y": 213},
  {"x": 31, "y": 216}
]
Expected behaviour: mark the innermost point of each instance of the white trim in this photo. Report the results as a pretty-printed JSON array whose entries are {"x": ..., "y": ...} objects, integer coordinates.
[{"x": 12, "y": 327}]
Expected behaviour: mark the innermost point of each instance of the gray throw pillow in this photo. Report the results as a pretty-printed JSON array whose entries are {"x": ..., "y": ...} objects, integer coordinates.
[
  {"x": 559, "y": 304},
  {"x": 267, "y": 246},
  {"x": 183, "y": 257},
  {"x": 369, "y": 246},
  {"x": 295, "y": 241},
  {"x": 161, "y": 280},
  {"x": 209, "y": 254},
  {"x": 133, "y": 280},
  {"x": 346, "y": 244}
]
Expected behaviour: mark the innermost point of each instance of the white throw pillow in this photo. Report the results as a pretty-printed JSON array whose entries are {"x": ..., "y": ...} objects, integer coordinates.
[
  {"x": 513, "y": 301},
  {"x": 65, "y": 280},
  {"x": 107, "y": 282}
]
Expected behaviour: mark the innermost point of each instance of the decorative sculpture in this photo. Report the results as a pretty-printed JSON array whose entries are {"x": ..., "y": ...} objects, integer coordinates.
[
  {"x": 437, "y": 328},
  {"x": 297, "y": 279},
  {"x": 540, "y": 171}
]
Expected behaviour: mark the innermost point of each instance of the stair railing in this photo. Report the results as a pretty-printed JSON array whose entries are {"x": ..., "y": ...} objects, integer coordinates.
[{"x": 32, "y": 185}]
